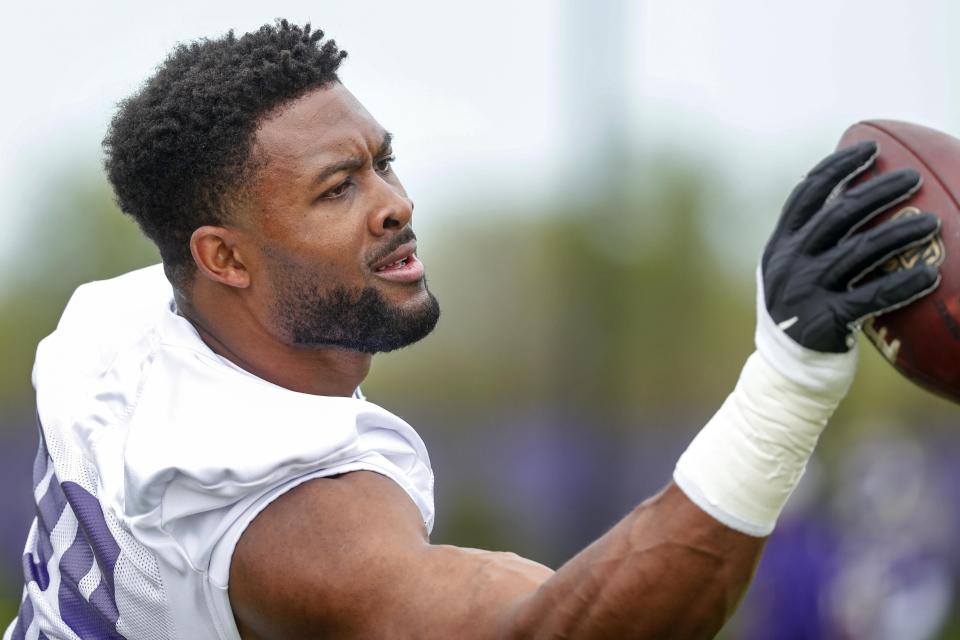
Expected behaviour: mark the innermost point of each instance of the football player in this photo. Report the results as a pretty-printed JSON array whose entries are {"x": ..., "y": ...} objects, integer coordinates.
[{"x": 208, "y": 467}]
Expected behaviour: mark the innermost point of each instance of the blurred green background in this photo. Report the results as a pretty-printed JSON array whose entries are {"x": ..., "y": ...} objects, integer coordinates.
[{"x": 593, "y": 253}]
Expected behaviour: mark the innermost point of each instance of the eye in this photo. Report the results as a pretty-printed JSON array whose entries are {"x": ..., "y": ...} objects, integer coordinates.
[
  {"x": 383, "y": 164},
  {"x": 337, "y": 191}
]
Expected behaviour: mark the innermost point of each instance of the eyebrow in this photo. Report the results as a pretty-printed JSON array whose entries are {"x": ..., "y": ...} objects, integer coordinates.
[{"x": 350, "y": 164}]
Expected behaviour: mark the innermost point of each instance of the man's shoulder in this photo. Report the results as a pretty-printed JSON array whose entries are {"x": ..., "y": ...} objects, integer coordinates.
[
  {"x": 104, "y": 312},
  {"x": 104, "y": 322},
  {"x": 109, "y": 302}
]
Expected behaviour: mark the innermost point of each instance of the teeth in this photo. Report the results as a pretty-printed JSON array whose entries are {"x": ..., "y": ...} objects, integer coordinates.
[{"x": 399, "y": 263}]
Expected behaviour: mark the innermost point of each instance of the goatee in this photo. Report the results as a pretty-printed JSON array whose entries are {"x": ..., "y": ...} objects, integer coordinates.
[{"x": 356, "y": 320}]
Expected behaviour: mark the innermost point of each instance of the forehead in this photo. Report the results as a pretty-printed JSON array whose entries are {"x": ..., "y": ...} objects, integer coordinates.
[{"x": 325, "y": 124}]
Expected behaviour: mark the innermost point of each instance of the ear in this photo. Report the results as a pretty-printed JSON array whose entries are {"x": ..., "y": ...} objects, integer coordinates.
[{"x": 217, "y": 256}]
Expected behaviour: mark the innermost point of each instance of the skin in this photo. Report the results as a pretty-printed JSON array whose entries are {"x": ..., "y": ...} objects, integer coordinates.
[
  {"x": 348, "y": 557},
  {"x": 335, "y": 227}
]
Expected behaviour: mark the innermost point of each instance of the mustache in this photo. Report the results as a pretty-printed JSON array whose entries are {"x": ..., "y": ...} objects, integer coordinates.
[{"x": 403, "y": 237}]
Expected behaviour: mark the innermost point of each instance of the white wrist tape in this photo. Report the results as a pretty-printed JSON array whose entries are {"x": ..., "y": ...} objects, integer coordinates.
[{"x": 744, "y": 464}]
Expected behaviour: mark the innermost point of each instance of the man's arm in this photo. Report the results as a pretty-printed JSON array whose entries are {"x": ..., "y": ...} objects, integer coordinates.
[{"x": 348, "y": 557}]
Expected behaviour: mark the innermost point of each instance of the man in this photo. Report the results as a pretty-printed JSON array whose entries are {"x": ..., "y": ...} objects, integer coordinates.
[{"x": 209, "y": 469}]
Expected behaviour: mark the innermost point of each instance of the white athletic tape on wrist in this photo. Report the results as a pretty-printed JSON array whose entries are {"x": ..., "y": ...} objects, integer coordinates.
[
  {"x": 744, "y": 464},
  {"x": 829, "y": 373}
]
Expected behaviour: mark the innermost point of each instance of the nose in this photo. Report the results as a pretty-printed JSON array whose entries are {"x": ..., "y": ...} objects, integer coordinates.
[{"x": 392, "y": 210}]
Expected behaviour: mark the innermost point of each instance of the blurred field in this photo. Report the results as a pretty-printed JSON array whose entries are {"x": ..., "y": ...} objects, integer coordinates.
[{"x": 581, "y": 346}]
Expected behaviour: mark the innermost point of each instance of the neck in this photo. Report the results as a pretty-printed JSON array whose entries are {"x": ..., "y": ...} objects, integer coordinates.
[{"x": 244, "y": 340}]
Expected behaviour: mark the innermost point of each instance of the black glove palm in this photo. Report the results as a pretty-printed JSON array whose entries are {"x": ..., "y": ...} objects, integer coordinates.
[{"x": 811, "y": 261}]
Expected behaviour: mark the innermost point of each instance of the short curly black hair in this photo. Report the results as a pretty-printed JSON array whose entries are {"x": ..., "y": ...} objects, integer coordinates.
[{"x": 179, "y": 150}]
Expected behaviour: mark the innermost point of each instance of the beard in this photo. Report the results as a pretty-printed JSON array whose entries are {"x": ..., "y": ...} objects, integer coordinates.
[{"x": 359, "y": 319}]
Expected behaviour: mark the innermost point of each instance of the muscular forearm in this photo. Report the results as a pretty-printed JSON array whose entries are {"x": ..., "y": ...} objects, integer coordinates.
[
  {"x": 349, "y": 556},
  {"x": 667, "y": 570}
]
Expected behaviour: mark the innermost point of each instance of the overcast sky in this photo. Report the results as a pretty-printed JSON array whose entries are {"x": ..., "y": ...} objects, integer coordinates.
[{"x": 490, "y": 101}]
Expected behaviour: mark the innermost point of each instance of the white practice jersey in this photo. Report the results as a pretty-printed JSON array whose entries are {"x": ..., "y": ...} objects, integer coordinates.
[{"x": 156, "y": 453}]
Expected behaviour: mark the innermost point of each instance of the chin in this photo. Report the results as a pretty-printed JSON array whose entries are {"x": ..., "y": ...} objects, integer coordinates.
[
  {"x": 405, "y": 295},
  {"x": 376, "y": 318}
]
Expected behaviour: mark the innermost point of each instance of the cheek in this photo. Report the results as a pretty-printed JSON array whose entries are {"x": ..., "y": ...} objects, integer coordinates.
[
  {"x": 326, "y": 263},
  {"x": 329, "y": 242}
]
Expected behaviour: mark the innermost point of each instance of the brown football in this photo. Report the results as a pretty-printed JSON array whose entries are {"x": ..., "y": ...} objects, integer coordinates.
[{"x": 922, "y": 339}]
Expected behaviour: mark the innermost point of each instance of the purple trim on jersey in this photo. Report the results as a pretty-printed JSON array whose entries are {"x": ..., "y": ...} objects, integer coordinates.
[
  {"x": 95, "y": 530},
  {"x": 51, "y": 505},
  {"x": 96, "y": 617},
  {"x": 49, "y": 509},
  {"x": 93, "y": 618},
  {"x": 36, "y": 570},
  {"x": 24, "y": 618}
]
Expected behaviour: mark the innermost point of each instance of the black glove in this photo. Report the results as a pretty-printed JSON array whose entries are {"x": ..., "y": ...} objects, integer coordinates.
[{"x": 812, "y": 261}]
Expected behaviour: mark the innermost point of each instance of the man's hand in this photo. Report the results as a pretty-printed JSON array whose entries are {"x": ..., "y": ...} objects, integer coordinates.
[
  {"x": 743, "y": 466},
  {"x": 812, "y": 261}
]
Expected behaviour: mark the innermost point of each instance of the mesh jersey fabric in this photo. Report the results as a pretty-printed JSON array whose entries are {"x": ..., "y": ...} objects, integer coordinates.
[{"x": 156, "y": 453}]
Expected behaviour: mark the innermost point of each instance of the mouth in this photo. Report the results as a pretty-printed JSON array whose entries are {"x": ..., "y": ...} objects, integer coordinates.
[{"x": 401, "y": 265}]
